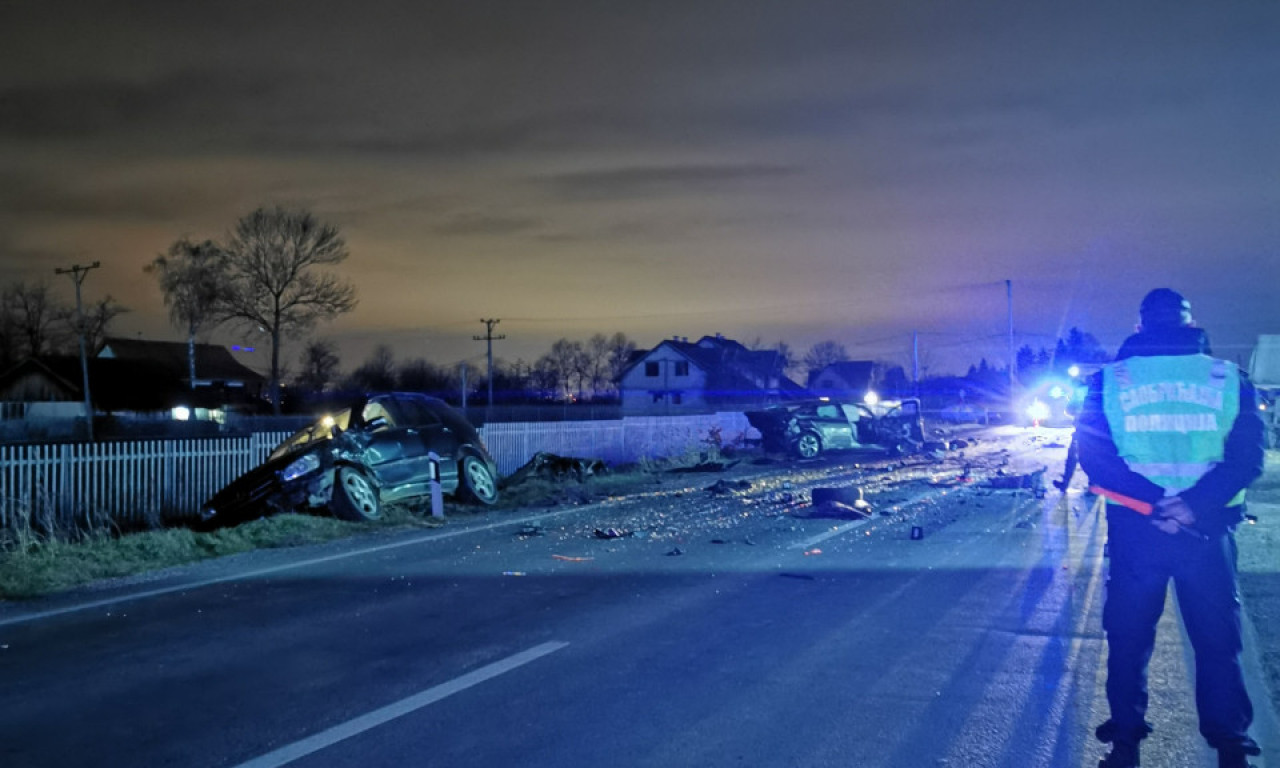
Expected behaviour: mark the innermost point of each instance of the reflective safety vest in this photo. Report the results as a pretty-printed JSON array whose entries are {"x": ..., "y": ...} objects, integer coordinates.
[{"x": 1170, "y": 416}]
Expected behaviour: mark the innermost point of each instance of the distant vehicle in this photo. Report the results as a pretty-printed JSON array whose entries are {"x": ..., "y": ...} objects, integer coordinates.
[
  {"x": 1052, "y": 402},
  {"x": 810, "y": 428},
  {"x": 963, "y": 413},
  {"x": 1264, "y": 371},
  {"x": 352, "y": 463}
]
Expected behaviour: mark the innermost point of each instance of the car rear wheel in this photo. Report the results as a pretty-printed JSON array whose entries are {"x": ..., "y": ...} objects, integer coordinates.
[
  {"x": 354, "y": 497},
  {"x": 808, "y": 446},
  {"x": 478, "y": 483}
]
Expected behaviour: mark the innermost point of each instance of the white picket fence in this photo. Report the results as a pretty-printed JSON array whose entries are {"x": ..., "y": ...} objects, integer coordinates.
[
  {"x": 144, "y": 482},
  {"x": 618, "y": 441},
  {"x": 130, "y": 482}
]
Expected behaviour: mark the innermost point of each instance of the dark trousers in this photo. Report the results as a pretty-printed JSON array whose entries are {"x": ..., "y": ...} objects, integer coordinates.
[
  {"x": 1073, "y": 460},
  {"x": 1143, "y": 561}
]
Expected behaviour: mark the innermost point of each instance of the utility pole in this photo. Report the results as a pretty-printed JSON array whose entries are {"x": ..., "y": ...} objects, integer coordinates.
[
  {"x": 1008, "y": 288},
  {"x": 915, "y": 363},
  {"x": 489, "y": 338},
  {"x": 462, "y": 374},
  {"x": 78, "y": 274}
]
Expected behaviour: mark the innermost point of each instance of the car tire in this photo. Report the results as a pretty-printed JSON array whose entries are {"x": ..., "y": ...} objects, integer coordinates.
[
  {"x": 808, "y": 445},
  {"x": 476, "y": 482},
  {"x": 354, "y": 496}
]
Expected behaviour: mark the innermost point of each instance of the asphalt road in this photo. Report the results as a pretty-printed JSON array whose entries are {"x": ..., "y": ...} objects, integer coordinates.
[{"x": 735, "y": 632}]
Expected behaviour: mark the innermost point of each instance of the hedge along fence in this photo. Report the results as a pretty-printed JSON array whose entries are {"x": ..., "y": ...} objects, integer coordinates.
[{"x": 143, "y": 483}]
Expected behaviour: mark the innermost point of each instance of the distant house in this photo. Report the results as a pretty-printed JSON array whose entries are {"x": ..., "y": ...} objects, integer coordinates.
[
  {"x": 215, "y": 365},
  {"x": 712, "y": 374},
  {"x": 134, "y": 380},
  {"x": 848, "y": 380}
]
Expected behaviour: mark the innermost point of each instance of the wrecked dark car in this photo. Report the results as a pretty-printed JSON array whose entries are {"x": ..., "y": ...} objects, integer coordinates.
[
  {"x": 811, "y": 428},
  {"x": 353, "y": 462}
]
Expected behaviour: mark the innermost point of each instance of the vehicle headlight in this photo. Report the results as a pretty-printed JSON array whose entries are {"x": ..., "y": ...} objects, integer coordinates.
[
  {"x": 304, "y": 465},
  {"x": 1037, "y": 411}
]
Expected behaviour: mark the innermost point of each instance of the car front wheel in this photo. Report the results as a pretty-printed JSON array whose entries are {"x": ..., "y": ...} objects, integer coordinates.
[
  {"x": 478, "y": 483},
  {"x": 354, "y": 497},
  {"x": 808, "y": 446}
]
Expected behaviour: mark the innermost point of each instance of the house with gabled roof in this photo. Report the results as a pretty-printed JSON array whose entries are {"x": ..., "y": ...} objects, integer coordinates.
[
  {"x": 711, "y": 374},
  {"x": 129, "y": 379},
  {"x": 846, "y": 380},
  {"x": 215, "y": 366}
]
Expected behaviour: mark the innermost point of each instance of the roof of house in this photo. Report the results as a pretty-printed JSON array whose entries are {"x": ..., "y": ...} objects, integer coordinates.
[
  {"x": 731, "y": 368},
  {"x": 122, "y": 385},
  {"x": 213, "y": 362},
  {"x": 854, "y": 372}
]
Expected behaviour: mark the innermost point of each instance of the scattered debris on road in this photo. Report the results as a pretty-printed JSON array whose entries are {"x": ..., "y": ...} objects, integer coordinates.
[
  {"x": 729, "y": 486},
  {"x": 612, "y": 533},
  {"x": 551, "y": 466}
]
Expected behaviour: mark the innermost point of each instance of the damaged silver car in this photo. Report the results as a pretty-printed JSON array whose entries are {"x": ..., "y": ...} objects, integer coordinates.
[
  {"x": 811, "y": 428},
  {"x": 378, "y": 451}
]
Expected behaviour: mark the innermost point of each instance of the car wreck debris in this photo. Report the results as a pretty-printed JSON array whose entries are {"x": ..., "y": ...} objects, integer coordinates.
[
  {"x": 551, "y": 466},
  {"x": 810, "y": 428},
  {"x": 612, "y": 533},
  {"x": 1031, "y": 481},
  {"x": 382, "y": 449}
]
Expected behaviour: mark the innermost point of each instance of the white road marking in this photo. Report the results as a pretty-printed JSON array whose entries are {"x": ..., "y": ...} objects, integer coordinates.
[
  {"x": 358, "y": 725},
  {"x": 839, "y": 529},
  {"x": 37, "y": 615}
]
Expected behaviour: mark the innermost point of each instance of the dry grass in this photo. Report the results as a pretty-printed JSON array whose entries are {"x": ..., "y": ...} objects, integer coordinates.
[
  {"x": 34, "y": 564},
  {"x": 39, "y": 558}
]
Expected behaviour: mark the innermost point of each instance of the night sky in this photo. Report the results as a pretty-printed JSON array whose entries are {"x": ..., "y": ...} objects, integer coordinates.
[{"x": 792, "y": 171}]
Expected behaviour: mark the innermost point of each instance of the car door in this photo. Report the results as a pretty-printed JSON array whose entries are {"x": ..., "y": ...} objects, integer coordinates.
[
  {"x": 834, "y": 426},
  {"x": 432, "y": 435},
  {"x": 394, "y": 451}
]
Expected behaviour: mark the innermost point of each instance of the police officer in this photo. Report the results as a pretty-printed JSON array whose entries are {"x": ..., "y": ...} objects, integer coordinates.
[{"x": 1172, "y": 437}]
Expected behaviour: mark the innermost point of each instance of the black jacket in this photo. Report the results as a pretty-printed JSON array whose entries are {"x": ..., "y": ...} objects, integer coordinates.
[{"x": 1243, "y": 454}]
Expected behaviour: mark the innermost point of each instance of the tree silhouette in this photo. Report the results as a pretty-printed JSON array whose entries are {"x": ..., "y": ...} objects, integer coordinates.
[
  {"x": 277, "y": 279},
  {"x": 193, "y": 278}
]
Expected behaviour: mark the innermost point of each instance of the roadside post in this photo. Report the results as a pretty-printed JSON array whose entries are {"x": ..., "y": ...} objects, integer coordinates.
[{"x": 437, "y": 496}]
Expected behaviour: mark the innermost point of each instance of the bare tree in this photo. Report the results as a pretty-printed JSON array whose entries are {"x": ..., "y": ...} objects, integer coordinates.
[
  {"x": 33, "y": 317},
  {"x": 193, "y": 278},
  {"x": 596, "y": 358},
  {"x": 319, "y": 365},
  {"x": 421, "y": 375},
  {"x": 97, "y": 321},
  {"x": 825, "y": 353},
  {"x": 621, "y": 350},
  {"x": 377, "y": 373},
  {"x": 276, "y": 257},
  {"x": 565, "y": 365}
]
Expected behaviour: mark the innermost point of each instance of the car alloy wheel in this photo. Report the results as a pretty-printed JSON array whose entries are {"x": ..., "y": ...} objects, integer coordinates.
[
  {"x": 478, "y": 481},
  {"x": 808, "y": 445},
  {"x": 354, "y": 497}
]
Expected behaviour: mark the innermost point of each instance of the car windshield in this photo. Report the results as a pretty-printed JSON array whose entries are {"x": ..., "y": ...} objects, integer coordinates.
[{"x": 321, "y": 429}]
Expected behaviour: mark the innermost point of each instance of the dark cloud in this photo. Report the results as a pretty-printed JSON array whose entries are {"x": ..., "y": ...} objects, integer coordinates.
[
  {"x": 25, "y": 263},
  {"x": 88, "y": 194},
  {"x": 484, "y": 224},
  {"x": 661, "y": 180},
  {"x": 177, "y": 105}
]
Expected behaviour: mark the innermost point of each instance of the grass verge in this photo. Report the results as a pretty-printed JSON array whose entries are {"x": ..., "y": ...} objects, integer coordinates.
[
  {"x": 43, "y": 566},
  {"x": 36, "y": 566}
]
